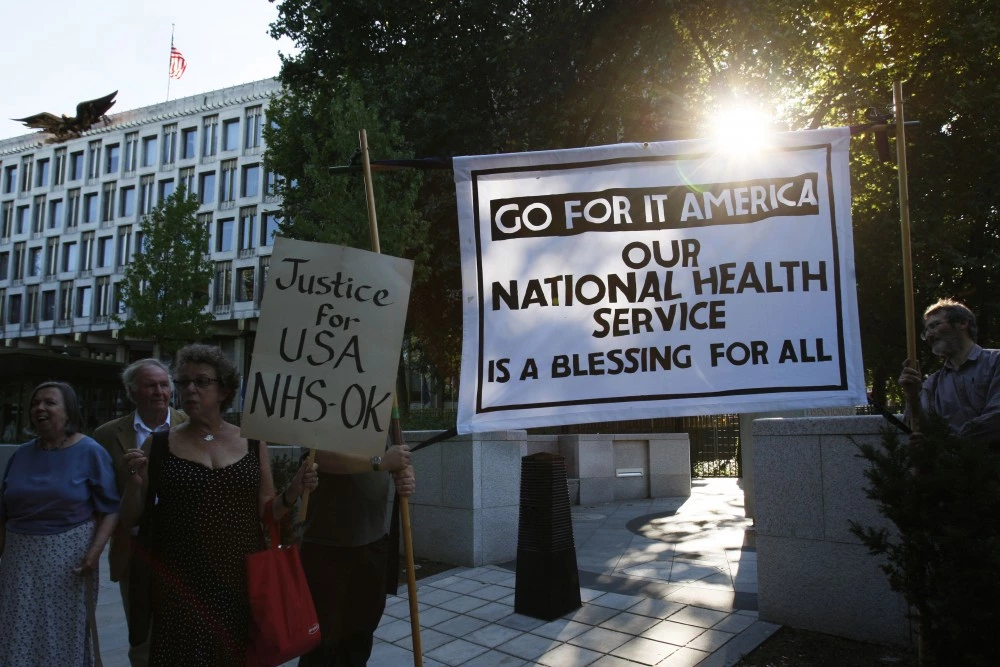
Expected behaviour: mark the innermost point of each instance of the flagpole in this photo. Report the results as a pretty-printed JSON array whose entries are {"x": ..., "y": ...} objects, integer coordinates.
[{"x": 168, "y": 61}]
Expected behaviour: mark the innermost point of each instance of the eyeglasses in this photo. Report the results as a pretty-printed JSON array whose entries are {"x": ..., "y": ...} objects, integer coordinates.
[
  {"x": 931, "y": 327},
  {"x": 201, "y": 382}
]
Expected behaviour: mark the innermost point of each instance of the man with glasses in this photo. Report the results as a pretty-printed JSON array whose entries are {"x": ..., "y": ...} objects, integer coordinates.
[
  {"x": 965, "y": 392},
  {"x": 147, "y": 386}
]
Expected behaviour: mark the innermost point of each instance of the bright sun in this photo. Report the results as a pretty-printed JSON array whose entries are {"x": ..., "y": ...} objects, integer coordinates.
[{"x": 741, "y": 129}]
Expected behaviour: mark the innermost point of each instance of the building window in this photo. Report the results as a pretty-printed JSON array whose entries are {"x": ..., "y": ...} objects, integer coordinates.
[
  {"x": 87, "y": 252},
  {"x": 7, "y": 221},
  {"x": 169, "y": 143},
  {"x": 186, "y": 178},
  {"x": 9, "y": 179},
  {"x": 124, "y": 252},
  {"x": 244, "y": 236},
  {"x": 21, "y": 219},
  {"x": 254, "y": 122},
  {"x": 94, "y": 159},
  {"x": 103, "y": 300},
  {"x": 90, "y": 207},
  {"x": 83, "y": 303},
  {"x": 244, "y": 284},
  {"x": 55, "y": 213},
  {"x": 131, "y": 151},
  {"x": 269, "y": 222},
  {"x": 250, "y": 181},
  {"x": 76, "y": 166},
  {"x": 59, "y": 167},
  {"x": 205, "y": 220},
  {"x": 14, "y": 309},
  {"x": 271, "y": 184},
  {"x": 224, "y": 235},
  {"x": 3, "y": 306},
  {"x": 19, "y": 258},
  {"x": 148, "y": 152},
  {"x": 265, "y": 263},
  {"x": 118, "y": 304},
  {"x": 126, "y": 206},
  {"x": 70, "y": 257},
  {"x": 108, "y": 202},
  {"x": 227, "y": 191},
  {"x": 146, "y": 198},
  {"x": 206, "y": 187},
  {"x": 34, "y": 262},
  {"x": 26, "y": 164},
  {"x": 38, "y": 215},
  {"x": 4, "y": 265},
  {"x": 48, "y": 305},
  {"x": 51, "y": 256},
  {"x": 66, "y": 301},
  {"x": 208, "y": 136},
  {"x": 189, "y": 142},
  {"x": 42, "y": 174},
  {"x": 140, "y": 243},
  {"x": 223, "y": 284},
  {"x": 231, "y": 134},
  {"x": 166, "y": 188},
  {"x": 72, "y": 208},
  {"x": 31, "y": 305},
  {"x": 104, "y": 251},
  {"x": 112, "y": 156}
]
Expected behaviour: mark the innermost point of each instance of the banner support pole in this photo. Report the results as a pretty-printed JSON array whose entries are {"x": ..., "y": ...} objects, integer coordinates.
[
  {"x": 396, "y": 430},
  {"x": 904, "y": 224}
]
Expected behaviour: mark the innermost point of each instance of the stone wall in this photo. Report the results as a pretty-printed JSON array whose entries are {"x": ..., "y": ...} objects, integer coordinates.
[{"x": 812, "y": 572}]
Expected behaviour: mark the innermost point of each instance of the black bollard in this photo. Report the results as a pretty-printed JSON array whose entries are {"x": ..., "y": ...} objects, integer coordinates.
[{"x": 548, "y": 582}]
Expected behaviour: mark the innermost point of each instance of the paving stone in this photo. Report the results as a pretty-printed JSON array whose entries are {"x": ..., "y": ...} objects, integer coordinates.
[
  {"x": 660, "y": 609},
  {"x": 703, "y": 618},
  {"x": 456, "y": 652},
  {"x": 644, "y": 651},
  {"x": 710, "y": 640},
  {"x": 492, "y": 635},
  {"x": 562, "y": 629},
  {"x": 670, "y": 632},
  {"x": 599, "y": 639},
  {"x": 568, "y": 656}
]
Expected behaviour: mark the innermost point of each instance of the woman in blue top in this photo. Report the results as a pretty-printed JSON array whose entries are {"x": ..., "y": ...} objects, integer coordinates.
[{"x": 58, "y": 507}]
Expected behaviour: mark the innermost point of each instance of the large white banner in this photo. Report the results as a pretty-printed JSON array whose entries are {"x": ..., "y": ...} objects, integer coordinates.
[
  {"x": 649, "y": 280},
  {"x": 327, "y": 350}
]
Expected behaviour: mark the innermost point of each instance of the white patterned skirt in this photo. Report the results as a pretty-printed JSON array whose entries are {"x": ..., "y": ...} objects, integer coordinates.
[{"x": 43, "y": 605}]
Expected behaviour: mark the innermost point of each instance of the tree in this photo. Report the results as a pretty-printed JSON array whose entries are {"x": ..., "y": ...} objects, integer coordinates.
[
  {"x": 165, "y": 287},
  {"x": 465, "y": 77}
]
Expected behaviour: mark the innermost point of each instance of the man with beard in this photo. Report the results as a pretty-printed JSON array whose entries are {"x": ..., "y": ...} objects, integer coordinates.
[{"x": 965, "y": 392}]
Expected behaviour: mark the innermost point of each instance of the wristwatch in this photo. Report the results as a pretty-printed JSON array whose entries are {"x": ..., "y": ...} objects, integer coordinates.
[{"x": 376, "y": 463}]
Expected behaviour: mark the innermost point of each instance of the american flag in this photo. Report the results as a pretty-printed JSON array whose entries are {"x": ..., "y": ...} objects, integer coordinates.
[{"x": 177, "y": 63}]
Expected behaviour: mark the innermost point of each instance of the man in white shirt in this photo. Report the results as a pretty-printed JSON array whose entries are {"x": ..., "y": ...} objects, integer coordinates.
[{"x": 148, "y": 387}]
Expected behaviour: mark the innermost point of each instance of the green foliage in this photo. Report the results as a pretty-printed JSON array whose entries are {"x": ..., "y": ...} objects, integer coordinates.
[
  {"x": 943, "y": 496},
  {"x": 456, "y": 77},
  {"x": 165, "y": 287},
  {"x": 428, "y": 419}
]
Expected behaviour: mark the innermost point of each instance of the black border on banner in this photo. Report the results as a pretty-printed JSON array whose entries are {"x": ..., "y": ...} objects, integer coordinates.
[{"x": 838, "y": 296}]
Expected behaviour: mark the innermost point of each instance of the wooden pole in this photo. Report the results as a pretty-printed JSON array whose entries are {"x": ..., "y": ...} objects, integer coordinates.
[
  {"x": 904, "y": 223},
  {"x": 911, "y": 319},
  {"x": 404, "y": 503}
]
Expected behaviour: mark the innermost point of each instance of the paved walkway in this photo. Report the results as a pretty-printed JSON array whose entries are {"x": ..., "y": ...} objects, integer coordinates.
[{"x": 665, "y": 582}]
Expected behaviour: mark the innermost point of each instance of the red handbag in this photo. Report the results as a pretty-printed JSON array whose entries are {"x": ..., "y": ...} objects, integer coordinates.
[{"x": 284, "y": 623}]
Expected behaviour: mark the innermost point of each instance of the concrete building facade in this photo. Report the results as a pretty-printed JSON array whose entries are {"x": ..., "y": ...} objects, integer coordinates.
[{"x": 70, "y": 214}]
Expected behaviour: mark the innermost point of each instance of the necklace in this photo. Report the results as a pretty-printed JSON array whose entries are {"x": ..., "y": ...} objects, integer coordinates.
[
  {"x": 49, "y": 449},
  {"x": 208, "y": 437}
]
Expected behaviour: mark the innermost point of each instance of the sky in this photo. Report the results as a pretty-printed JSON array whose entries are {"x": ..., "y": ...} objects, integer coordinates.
[{"x": 61, "y": 52}]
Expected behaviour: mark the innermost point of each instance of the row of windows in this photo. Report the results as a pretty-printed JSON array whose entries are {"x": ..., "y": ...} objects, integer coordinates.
[
  {"x": 112, "y": 202},
  {"x": 103, "y": 299},
  {"x": 159, "y": 149},
  {"x": 98, "y": 252}
]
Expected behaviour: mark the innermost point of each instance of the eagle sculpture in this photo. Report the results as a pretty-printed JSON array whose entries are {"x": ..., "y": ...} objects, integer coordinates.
[{"x": 64, "y": 128}]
